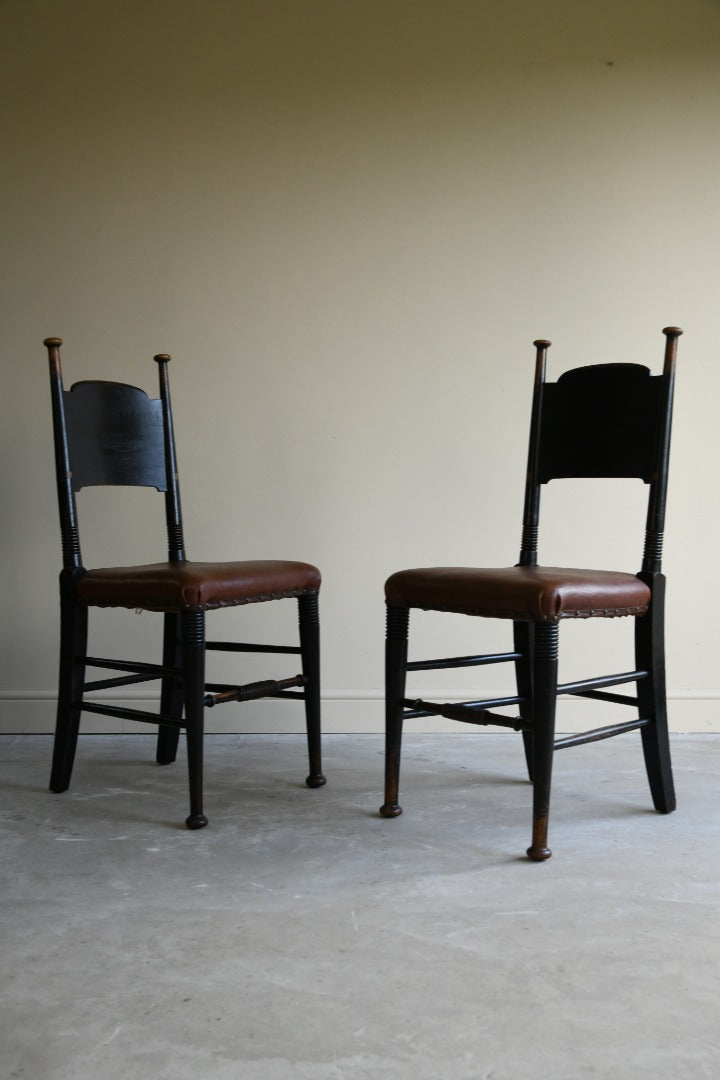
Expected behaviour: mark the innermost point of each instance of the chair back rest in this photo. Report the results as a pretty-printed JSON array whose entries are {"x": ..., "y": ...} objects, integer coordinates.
[
  {"x": 109, "y": 433},
  {"x": 600, "y": 421},
  {"x": 605, "y": 420},
  {"x": 114, "y": 435}
]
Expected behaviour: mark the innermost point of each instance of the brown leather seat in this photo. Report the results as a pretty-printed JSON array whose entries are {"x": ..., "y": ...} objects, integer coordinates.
[
  {"x": 520, "y": 592},
  {"x": 196, "y": 585}
]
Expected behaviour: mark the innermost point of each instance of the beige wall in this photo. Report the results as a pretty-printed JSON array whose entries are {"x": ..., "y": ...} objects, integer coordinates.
[{"x": 347, "y": 221}]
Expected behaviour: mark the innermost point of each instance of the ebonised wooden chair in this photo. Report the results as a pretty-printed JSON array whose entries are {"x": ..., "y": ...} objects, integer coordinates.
[
  {"x": 113, "y": 433},
  {"x": 607, "y": 420}
]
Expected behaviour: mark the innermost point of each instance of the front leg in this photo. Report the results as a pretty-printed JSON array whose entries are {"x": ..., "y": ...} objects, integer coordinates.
[
  {"x": 396, "y": 645},
  {"x": 544, "y": 699}
]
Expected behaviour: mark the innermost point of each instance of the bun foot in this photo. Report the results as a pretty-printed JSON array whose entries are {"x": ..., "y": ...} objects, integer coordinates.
[
  {"x": 196, "y": 821},
  {"x": 538, "y": 854},
  {"x": 315, "y": 780},
  {"x": 390, "y": 809}
]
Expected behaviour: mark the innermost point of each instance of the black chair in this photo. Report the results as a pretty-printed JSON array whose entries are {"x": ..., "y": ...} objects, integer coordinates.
[
  {"x": 608, "y": 420},
  {"x": 112, "y": 433}
]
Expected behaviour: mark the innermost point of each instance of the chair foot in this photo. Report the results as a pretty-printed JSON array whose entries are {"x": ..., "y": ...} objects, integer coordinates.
[
  {"x": 57, "y": 789},
  {"x": 315, "y": 780},
  {"x": 390, "y": 810},
  {"x": 196, "y": 821},
  {"x": 538, "y": 854}
]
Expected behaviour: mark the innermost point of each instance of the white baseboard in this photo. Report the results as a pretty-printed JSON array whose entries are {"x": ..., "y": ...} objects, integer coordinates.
[{"x": 343, "y": 712}]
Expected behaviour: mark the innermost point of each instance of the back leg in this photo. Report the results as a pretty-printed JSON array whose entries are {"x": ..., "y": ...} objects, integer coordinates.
[
  {"x": 309, "y": 619},
  {"x": 650, "y": 656},
  {"x": 171, "y": 696},
  {"x": 73, "y": 649},
  {"x": 523, "y": 643}
]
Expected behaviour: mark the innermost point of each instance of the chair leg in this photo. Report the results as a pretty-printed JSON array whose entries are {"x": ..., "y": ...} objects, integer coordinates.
[
  {"x": 309, "y": 621},
  {"x": 73, "y": 649},
  {"x": 193, "y": 652},
  {"x": 650, "y": 656},
  {"x": 545, "y": 667},
  {"x": 171, "y": 696},
  {"x": 396, "y": 647},
  {"x": 523, "y": 643}
]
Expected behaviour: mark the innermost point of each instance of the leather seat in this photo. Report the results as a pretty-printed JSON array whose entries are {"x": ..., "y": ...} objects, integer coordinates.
[
  {"x": 196, "y": 585},
  {"x": 520, "y": 592}
]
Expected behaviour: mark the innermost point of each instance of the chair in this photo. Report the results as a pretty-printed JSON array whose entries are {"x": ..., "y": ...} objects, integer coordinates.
[
  {"x": 608, "y": 420},
  {"x": 112, "y": 433}
]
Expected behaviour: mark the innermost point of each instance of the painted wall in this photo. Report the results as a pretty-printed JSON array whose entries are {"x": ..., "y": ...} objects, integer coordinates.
[{"x": 347, "y": 220}]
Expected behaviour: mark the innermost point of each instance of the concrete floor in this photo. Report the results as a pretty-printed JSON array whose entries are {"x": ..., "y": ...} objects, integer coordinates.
[{"x": 301, "y": 936}]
